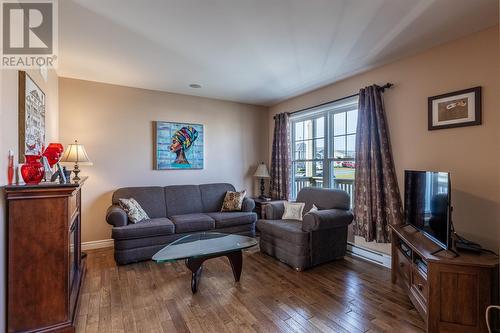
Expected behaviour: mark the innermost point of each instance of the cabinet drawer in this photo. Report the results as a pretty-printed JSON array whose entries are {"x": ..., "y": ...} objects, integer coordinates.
[
  {"x": 403, "y": 267},
  {"x": 419, "y": 284}
]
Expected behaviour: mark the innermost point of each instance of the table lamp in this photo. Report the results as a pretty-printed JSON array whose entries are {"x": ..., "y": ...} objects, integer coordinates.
[
  {"x": 261, "y": 173},
  {"x": 76, "y": 153}
]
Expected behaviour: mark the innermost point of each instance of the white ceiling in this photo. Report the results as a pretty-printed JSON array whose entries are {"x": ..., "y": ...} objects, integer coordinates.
[{"x": 252, "y": 51}]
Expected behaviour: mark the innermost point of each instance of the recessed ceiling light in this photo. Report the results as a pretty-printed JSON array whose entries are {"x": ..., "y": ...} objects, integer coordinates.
[{"x": 194, "y": 85}]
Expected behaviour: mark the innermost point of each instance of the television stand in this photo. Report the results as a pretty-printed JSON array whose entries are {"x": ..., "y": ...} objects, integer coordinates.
[
  {"x": 409, "y": 225},
  {"x": 450, "y": 293},
  {"x": 451, "y": 250}
]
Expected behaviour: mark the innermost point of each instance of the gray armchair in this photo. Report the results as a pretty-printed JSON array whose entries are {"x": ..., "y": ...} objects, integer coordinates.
[{"x": 320, "y": 237}]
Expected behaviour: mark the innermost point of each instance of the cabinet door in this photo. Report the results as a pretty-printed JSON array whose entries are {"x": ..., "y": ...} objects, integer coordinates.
[
  {"x": 38, "y": 263},
  {"x": 458, "y": 298}
]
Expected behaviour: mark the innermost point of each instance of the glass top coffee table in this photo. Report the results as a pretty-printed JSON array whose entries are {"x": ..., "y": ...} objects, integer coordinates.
[{"x": 196, "y": 248}]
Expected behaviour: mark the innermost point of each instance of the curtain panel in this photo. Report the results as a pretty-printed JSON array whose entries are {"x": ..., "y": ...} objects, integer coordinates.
[
  {"x": 281, "y": 159},
  {"x": 377, "y": 198}
]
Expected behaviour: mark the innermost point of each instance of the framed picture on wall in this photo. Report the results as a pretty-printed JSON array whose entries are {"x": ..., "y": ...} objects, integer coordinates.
[
  {"x": 178, "y": 145},
  {"x": 31, "y": 117},
  {"x": 455, "y": 109}
]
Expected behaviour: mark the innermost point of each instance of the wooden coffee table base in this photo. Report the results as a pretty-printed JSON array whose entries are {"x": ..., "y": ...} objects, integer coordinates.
[{"x": 196, "y": 266}]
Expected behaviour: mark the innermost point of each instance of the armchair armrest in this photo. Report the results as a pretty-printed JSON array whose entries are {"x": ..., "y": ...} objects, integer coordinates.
[
  {"x": 326, "y": 219},
  {"x": 116, "y": 216},
  {"x": 275, "y": 210},
  {"x": 247, "y": 205}
]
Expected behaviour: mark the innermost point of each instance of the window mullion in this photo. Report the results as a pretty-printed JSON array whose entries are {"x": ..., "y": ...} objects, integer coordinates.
[
  {"x": 345, "y": 138},
  {"x": 326, "y": 165}
]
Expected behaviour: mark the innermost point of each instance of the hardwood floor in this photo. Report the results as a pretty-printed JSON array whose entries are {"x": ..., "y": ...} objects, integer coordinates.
[{"x": 349, "y": 295}]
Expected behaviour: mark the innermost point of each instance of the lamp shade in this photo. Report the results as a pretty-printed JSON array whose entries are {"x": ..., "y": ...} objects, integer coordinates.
[
  {"x": 76, "y": 153},
  {"x": 261, "y": 171}
]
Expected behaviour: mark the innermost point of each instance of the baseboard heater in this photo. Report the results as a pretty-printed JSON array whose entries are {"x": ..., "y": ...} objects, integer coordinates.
[{"x": 375, "y": 257}]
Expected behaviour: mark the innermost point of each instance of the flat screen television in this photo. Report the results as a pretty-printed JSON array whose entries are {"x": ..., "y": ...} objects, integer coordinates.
[{"x": 427, "y": 204}]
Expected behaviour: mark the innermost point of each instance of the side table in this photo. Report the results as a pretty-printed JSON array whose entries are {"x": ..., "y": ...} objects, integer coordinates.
[{"x": 260, "y": 207}]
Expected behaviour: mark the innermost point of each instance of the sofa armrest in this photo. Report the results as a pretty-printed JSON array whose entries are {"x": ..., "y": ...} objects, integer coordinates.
[
  {"x": 116, "y": 216},
  {"x": 275, "y": 210},
  {"x": 326, "y": 219},
  {"x": 247, "y": 205}
]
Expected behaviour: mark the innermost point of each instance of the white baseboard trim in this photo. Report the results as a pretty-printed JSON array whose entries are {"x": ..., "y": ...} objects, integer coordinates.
[
  {"x": 375, "y": 257},
  {"x": 99, "y": 244}
]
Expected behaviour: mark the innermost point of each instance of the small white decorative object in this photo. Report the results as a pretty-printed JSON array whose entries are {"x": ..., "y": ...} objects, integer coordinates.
[
  {"x": 47, "y": 168},
  {"x": 313, "y": 209}
]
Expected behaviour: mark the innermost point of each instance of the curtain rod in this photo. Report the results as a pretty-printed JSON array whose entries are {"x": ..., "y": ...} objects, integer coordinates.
[{"x": 388, "y": 85}]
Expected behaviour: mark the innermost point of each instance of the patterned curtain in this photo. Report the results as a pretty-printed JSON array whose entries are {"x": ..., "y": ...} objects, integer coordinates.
[
  {"x": 377, "y": 199},
  {"x": 280, "y": 163}
]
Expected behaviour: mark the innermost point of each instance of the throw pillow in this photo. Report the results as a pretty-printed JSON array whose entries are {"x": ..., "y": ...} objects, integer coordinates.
[
  {"x": 233, "y": 201},
  {"x": 134, "y": 210},
  {"x": 313, "y": 209},
  {"x": 293, "y": 210}
]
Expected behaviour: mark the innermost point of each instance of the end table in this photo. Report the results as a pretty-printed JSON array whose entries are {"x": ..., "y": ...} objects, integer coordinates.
[{"x": 260, "y": 206}]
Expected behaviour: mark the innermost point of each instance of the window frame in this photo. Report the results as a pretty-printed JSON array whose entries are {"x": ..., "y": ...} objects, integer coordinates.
[{"x": 326, "y": 111}]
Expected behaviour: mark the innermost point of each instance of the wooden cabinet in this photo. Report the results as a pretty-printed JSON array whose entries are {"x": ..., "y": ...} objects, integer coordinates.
[
  {"x": 450, "y": 293},
  {"x": 45, "y": 268}
]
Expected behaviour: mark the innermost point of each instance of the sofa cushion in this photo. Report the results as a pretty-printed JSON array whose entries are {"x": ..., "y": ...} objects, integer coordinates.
[
  {"x": 289, "y": 230},
  {"x": 151, "y": 199},
  {"x": 229, "y": 219},
  {"x": 146, "y": 228},
  {"x": 183, "y": 199},
  {"x": 192, "y": 222},
  {"x": 212, "y": 196}
]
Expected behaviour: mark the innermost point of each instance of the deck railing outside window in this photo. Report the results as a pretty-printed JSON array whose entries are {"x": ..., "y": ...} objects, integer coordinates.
[{"x": 343, "y": 184}]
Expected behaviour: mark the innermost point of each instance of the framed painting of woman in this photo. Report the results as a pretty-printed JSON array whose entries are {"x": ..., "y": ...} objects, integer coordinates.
[{"x": 178, "y": 145}]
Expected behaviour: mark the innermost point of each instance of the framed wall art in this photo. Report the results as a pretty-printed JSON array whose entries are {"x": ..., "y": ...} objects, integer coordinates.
[
  {"x": 31, "y": 117},
  {"x": 455, "y": 109},
  {"x": 178, "y": 145}
]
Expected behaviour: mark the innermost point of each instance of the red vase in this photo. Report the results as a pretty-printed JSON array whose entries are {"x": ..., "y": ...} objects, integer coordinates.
[
  {"x": 10, "y": 170},
  {"x": 32, "y": 171},
  {"x": 53, "y": 153}
]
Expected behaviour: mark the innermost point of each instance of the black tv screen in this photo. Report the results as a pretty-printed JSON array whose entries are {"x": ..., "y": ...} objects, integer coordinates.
[{"x": 428, "y": 204}]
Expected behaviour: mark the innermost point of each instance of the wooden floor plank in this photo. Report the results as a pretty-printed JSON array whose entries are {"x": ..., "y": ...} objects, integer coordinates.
[{"x": 348, "y": 295}]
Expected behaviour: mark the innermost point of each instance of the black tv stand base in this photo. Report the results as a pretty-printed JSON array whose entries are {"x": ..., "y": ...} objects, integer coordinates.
[{"x": 451, "y": 250}]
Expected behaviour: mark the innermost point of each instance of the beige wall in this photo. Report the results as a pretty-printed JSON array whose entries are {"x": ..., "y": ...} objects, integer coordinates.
[
  {"x": 115, "y": 125},
  {"x": 471, "y": 154},
  {"x": 9, "y": 140}
]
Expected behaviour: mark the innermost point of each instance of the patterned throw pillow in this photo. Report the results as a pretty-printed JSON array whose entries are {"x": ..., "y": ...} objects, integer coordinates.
[
  {"x": 293, "y": 210},
  {"x": 233, "y": 201},
  {"x": 134, "y": 210}
]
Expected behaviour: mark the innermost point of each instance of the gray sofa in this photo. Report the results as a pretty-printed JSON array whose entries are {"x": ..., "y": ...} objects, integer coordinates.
[
  {"x": 174, "y": 211},
  {"x": 320, "y": 237}
]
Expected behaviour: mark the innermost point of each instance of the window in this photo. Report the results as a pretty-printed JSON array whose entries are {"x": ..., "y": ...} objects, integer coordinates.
[{"x": 324, "y": 146}]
